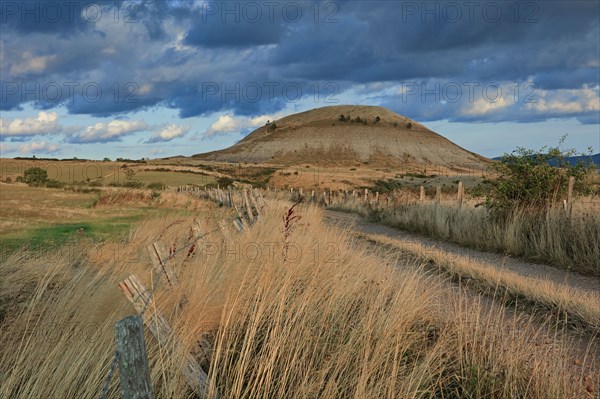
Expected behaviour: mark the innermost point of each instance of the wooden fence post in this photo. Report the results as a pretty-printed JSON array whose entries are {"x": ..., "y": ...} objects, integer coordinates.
[
  {"x": 438, "y": 194},
  {"x": 569, "y": 207},
  {"x": 132, "y": 358},
  {"x": 254, "y": 203},
  {"x": 459, "y": 196},
  {"x": 142, "y": 300},
  {"x": 422, "y": 193},
  {"x": 248, "y": 207},
  {"x": 366, "y": 195}
]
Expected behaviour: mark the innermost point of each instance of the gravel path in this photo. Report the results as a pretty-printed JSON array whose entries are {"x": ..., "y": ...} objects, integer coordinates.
[{"x": 500, "y": 261}]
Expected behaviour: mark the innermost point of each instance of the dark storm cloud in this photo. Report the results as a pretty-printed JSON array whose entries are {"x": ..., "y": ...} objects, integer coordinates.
[{"x": 204, "y": 57}]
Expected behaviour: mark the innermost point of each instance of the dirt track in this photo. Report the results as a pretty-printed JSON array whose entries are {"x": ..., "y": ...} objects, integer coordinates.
[
  {"x": 582, "y": 344},
  {"x": 515, "y": 265}
]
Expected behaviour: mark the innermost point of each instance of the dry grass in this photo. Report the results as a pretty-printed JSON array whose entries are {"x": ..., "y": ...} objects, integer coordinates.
[
  {"x": 549, "y": 237},
  {"x": 576, "y": 307},
  {"x": 330, "y": 321}
]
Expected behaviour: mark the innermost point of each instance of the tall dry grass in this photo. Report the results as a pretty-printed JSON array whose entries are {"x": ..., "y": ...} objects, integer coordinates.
[
  {"x": 572, "y": 244},
  {"x": 331, "y": 320},
  {"x": 577, "y": 308}
]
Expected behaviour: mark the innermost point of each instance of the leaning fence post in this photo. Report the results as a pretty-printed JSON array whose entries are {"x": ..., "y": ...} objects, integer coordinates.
[{"x": 133, "y": 361}]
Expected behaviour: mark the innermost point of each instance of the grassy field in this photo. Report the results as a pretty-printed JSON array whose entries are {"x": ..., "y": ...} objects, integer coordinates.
[
  {"x": 106, "y": 173},
  {"x": 43, "y": 218},
  {"x": 328, "y": 319},
  {"x": 304, "y": 311}
]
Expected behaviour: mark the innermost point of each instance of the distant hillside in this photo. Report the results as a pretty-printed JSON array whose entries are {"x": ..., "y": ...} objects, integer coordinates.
[
  {"x": 595, "y": 159},
  {"x": 347, "y": 134}
]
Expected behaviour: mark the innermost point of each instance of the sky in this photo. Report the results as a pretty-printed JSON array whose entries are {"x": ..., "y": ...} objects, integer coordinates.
[{"x": 147, "y": 79}]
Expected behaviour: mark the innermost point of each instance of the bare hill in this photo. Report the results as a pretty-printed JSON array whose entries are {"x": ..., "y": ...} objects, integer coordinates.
[{"x": 364, "y": 134}]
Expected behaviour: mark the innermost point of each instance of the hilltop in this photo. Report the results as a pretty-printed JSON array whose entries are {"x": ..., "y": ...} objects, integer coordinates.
[{"x": 346, "y": 135}]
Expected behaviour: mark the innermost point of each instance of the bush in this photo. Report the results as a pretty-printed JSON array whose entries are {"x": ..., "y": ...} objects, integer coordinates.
[
  {"x": 35, "y": 176},
  {"x": 224, "y": 181},
  {"x": 409, "y": 125},
  {"x": 133, "y": 184},
  {"x": 533, "y": 179},
  {"x": 156, "y": 186},
  {"x": 54, "y": 184},
  {"x": 96, "y": 183}
]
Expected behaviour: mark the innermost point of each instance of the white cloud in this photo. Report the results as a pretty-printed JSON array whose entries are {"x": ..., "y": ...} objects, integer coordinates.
[
  {"x": 567, "y": 101},
  {"x": 106, "y": 132},
  {"x": 44, "y": 123},
  {"x": 227, "y": 124},
  {"x": 39, "y": 147},
  {"x": 169, "y": 133},
  {"x": 483, "y": 106}
]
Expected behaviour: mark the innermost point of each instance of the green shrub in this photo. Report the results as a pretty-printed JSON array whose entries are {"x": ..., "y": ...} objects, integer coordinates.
[
  {"x": 54, "y": 184},
  {"x": 133, "y": 184},
  {"x": 224, "y": 181},
  {"x": 35, "y": 176},
  {"x": 533, "y": 179},
  {"x": 156, "y": 186}
]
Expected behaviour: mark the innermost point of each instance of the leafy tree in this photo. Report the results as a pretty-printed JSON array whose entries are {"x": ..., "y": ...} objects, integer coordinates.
[
  {"x": 35, "y": 176},
  {"x": 534, "y": 179}
]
